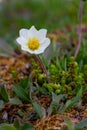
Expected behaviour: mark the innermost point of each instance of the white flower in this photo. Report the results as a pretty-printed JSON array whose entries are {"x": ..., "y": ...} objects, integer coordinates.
[{"x": 33, "y": 41}]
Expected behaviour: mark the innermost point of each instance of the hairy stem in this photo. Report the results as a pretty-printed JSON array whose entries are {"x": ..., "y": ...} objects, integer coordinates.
[
  {"x": 43, "y": 67},
  {"x": 80, "y": 29}
]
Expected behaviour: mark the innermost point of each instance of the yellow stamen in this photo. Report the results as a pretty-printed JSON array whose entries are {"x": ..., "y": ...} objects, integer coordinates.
[{"x": 33, "y": 44}]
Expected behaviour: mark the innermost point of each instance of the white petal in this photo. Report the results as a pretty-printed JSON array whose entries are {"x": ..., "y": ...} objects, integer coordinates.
[
  {"x": 25, "y": 48},
  {"x": 32, "y": 32},
  {"x": 42, "y": 34},
  {"x": 24, "y": 33},
  {"x": 30, "y": 51},
  {"x": 38, "y": 52},
  {"x": 21, "y": 41},
  {"x": 45, "y": 44}
]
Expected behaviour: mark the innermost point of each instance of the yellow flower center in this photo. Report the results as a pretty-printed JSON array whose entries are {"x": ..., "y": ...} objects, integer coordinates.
[{"x": 33, "y": 44}]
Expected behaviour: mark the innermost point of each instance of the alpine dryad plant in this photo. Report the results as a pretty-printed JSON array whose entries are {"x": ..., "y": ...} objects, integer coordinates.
[{"x": 35, "y": 42}]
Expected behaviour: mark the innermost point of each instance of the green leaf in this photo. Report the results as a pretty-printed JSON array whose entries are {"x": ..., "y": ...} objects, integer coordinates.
[
  {"x": 7, "y": 127},
  {"x": 45, "y": 61},
  {"x": 55, "y": 104},
  {"x": 63, "y": 64},
  {"x": 70, "y": 125},
  {"x": 58, "y": 64},
  {"x": 53, "y": 108},
  {"x": 27, "y": 127},
  {"x": 20, "y": 112},
  {"x": 31, "y": 90},
  {"x": 58, "y": 98},
  {"x": 15, "y": 101},
  {"x": 81, "y": 124},
  {"x": 21, "y": 93},
  {"x": 79, "y": 94},
  {"x": 71, "y": 103},
  {"x": 41, "y": 90},
  {"x": 1, "y": 104},
  {"x": 40, "y": 110},
  {"x": 81, "y": 129},
  {"x": 17, "y": 124},
  {"x": 24, "y": 82},
  {"x": 3, "y": 93}
]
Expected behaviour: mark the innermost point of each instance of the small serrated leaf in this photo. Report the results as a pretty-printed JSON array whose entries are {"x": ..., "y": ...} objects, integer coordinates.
[
  {"x": 3, "y": 93},
  {"x": 21, "y": 93},
  {"x": 70, "y": 125},
  {"x": 55, "y": 104},
  {"x": 40, "y": 110},
  {"x": 58, "y": 98},
  {"x": 24, "y": 82},
  {"x": 71, "y": 103},
  {"x": 81, "y": 124}
]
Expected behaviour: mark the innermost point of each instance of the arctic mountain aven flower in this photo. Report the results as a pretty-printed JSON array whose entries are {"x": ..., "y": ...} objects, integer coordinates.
[{"x": 33, "y": 41}]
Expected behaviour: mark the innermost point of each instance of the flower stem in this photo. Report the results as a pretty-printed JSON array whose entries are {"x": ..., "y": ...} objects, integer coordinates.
[
  {"x": 43, "y": 67},
  {"x": 80, "y": 29}
]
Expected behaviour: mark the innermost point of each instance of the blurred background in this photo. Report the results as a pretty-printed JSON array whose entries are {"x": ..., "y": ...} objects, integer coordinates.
[{"x": 49, "y": 14}]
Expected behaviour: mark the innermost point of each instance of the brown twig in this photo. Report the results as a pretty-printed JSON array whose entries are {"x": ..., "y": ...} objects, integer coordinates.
[
  {"x": 43, "y": 67},
  {"x": 80, "y": 30}
]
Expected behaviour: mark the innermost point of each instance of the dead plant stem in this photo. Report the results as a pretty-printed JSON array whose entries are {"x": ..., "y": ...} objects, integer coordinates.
[{"x": 80, "y": 29}]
